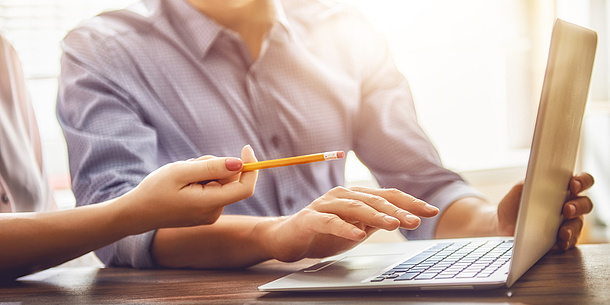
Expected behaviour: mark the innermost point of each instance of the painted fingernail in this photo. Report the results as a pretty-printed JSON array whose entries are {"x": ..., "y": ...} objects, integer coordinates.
[{"x": 233, "y": 164}]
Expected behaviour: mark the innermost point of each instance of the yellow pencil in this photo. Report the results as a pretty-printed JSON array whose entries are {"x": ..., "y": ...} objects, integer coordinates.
[{"x": 331, "y": 155}]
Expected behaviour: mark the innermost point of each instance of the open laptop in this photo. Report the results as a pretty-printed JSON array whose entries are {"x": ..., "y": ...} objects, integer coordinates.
[{"x": 452, "y": 263}]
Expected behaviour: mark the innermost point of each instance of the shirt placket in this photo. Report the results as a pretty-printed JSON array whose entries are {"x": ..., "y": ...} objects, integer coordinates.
[{"x": 263, "y": 104}]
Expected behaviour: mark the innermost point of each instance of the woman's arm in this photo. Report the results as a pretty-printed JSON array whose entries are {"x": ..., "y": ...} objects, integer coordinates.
[
  {"x": 168, "y": 197},
  {"x": 36, "y": 241}
]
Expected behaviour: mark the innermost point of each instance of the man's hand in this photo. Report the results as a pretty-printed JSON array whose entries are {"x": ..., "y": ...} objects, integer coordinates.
[
  {"x": 574, "y": 209},
  {"x": 342, "y": 218}
]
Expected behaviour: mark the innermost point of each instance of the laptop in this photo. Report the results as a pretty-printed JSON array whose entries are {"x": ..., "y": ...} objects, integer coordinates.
[{"x": 491, "y": 262}]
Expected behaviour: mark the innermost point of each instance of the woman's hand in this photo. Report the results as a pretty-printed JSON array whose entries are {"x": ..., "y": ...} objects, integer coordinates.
[{"x": 194, "y": 192}]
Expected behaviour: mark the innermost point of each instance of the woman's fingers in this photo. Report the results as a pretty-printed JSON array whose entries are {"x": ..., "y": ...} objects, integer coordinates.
[
  {"x": 206, "y": 169},
  {"x": 248, "y": 178}
]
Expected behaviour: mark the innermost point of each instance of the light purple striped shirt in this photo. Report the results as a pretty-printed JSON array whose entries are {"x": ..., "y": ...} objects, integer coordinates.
[{"x": 161, "y": 82}]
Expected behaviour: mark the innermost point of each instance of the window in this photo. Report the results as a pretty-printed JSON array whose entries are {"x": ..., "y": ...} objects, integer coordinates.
[
  {"x": 35, "y": 28},
  {"x": 473, "y": 70},
  {"x": 476, "y": 69}
]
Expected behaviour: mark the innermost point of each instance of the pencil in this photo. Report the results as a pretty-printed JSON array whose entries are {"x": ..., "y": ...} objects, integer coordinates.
[{"x": 331, "y": 155}]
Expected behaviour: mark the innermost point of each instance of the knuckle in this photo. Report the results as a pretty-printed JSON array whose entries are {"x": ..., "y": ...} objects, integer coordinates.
[
  {"x": 352, "y": 204},
  {"x": 339, "y": 190},
  {"x": 378, "y": 201},
  {"x": 171, "y": 166},
  {"x": 394, "y": 191},
  {"x": 399, "y": 213},
  {"x": 210, "y": 166},
  {"x": 330, "y": 220}
]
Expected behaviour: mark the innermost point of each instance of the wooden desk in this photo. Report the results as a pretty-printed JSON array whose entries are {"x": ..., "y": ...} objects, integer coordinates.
[{"x": 579, "y": 276}]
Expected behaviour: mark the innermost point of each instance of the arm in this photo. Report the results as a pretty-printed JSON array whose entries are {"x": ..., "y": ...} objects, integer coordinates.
[
  {"x": 474, "y": 217},
  {"x": 35, "y": 241},
  {"x": 335, "y": 222}
]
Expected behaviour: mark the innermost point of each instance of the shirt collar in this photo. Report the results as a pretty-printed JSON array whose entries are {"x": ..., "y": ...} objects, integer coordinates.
[
  {"x": 202, "y": 31},
  {"x": 193, "y": 26},
  {"x": 280, "y": 17}
]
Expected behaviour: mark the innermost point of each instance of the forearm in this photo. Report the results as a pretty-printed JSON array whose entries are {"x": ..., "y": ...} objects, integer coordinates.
[
  {"x": 232, "y": 242},
  {"x": 32, "y": 242},
  {"x": 468, "y": 217}
]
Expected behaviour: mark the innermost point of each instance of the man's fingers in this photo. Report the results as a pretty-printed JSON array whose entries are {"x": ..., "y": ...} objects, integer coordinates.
[
  {"x": 355, "y": 211},
  {"x": 569, "y": 232},
  {"x": 577, "y": 207},
  {"x": 367, "y": 209},
  {"x": 581, "y": 182},
  {"x": 398, "y": 202},
  {"x": 325, "y": 223}
]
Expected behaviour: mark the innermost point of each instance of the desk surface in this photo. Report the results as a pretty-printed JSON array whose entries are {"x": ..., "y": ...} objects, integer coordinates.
[{"x": 579, "y": 276}]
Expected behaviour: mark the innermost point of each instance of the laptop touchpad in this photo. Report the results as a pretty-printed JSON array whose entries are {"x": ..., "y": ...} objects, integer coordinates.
[{"x": 363, "y": 265}]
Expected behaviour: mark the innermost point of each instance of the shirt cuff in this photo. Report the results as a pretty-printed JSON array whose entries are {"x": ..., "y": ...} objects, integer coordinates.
[
  {"x": 131, "y": 251},
  {"x": 441, "y": 199}
]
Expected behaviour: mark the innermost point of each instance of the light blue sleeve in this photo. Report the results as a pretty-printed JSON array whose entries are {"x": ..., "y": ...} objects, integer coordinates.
[{"x": 110, "y": 147}]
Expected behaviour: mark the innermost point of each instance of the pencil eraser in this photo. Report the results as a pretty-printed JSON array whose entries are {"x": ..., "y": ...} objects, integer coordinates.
[{"x": 340, "y": 154}]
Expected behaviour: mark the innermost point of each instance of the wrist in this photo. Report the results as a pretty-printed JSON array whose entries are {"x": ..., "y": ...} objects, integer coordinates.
[
  {"x": 468, "y": 217},
  {"x": 128, "y": 214},
  {"x": 264, "y": 233}
]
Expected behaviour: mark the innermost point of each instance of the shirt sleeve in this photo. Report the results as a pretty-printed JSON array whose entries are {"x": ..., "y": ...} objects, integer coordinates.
[
  {"x": 23, "y": 180},
  {"x": 110, "y": 147},
  {"x": 392, "y": 144}
]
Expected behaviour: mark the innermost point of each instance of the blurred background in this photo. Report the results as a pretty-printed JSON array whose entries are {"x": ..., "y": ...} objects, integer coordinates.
[{"x": 475, "y": 69}]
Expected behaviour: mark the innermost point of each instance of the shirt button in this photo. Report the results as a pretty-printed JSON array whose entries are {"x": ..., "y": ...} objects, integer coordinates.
[
  {"x": 275, "y": 141},
  {"x": 4, "y": 198},
  {"x": 289, "y": 202}
]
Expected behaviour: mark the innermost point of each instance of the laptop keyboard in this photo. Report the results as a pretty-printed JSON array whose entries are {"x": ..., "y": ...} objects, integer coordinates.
[{"x": 463, "y": 260}]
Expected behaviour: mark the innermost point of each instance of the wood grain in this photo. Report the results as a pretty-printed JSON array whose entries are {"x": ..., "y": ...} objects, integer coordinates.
[{"x": 579, "y": 276}]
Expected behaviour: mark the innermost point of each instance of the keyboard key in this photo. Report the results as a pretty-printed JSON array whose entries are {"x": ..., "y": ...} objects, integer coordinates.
[{"x": 407, "y": 276}]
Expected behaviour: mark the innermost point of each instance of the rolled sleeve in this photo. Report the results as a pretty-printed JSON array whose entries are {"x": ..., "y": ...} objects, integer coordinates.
[{"x": 132, "y": 251}]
